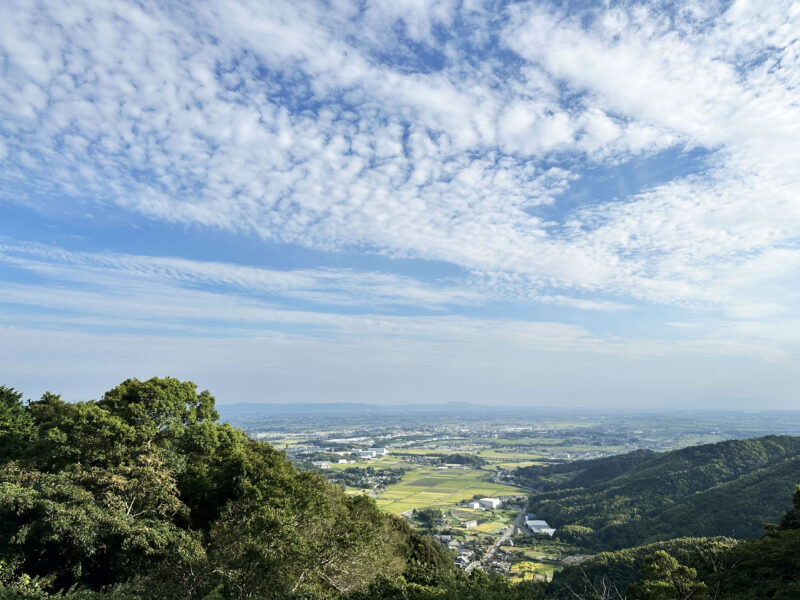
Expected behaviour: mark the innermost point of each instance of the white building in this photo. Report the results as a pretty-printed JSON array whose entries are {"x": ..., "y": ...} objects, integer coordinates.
[
  {"x": 490, "y": 502},
  {"x": 470, "y": 524},
  {"x": 366, "y": 454},
  {"x": 379, "y": 451},
  {"x": 537, "y": 526},
  {"x": 473, "y": 504}
]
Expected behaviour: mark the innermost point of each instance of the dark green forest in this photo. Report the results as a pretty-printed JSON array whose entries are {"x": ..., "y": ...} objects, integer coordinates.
[
  {"x": 729, "y": 488},
  {"x": 696, "y": 568},
  {"x": 145, "y": 494}
]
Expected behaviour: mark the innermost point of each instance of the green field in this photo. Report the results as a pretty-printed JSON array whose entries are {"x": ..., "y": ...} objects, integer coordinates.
[
  {"x": 428, "y": 487},
  {"x": 383, "y": 462},
  {"x": 492, "y": 527}
]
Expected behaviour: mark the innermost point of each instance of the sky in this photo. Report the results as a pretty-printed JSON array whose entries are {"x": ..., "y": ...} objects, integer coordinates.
[{"x": 588, "y": 204}]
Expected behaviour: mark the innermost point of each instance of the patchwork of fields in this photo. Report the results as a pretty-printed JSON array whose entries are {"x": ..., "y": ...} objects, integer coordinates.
[{"x": 431, "y": 487}]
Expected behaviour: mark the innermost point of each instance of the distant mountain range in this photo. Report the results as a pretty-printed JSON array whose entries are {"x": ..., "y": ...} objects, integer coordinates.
[{"x": 240, "y": 409}]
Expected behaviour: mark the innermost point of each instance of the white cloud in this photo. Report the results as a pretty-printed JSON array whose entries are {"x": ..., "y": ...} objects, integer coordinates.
[
  {"x": 138, "y": 274},
  {"x": 124, "y": 294},
  {"x": 405, "y": 129}
]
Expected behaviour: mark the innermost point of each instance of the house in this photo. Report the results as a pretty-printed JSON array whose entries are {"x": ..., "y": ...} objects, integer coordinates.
[
  {"x": 470, "y": 524},
  {"x": 500, "y": 567},
  {"x": 538, "y": 526},
  {"x": 490, "y": 502},
  {"x": 342, "y": 461},
  {"x": 379, "y": 451},
  {"x": 322, "y": 464},
  {"x": 473, "y": 504}
]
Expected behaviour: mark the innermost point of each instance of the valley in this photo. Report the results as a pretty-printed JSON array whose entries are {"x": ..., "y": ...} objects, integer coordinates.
[{"x": 527, "y": 459}]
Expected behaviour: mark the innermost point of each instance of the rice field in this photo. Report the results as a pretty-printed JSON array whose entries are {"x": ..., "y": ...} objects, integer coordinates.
[{"x": 430, "y": 487}]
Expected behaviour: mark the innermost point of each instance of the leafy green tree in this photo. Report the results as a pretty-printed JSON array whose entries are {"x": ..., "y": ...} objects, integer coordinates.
[
  {"x": 792, "y": 518},
  {"x": 57, "y": 527},
  {"x": 428, "y": 516},
  {"x": 160, "y": 408},
  {"x": 16, "y": 425},
  {"x": 97, "y": 500},
  {"x": 664, "y": 578},
  {"x": 308, "y": 539},
  {"x": 81, "y": 433}
]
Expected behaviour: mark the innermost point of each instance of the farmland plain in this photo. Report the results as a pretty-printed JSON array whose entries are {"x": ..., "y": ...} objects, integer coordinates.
[
  {"x": 439, "y": 457},
  {"x": 426, "y": 487}
]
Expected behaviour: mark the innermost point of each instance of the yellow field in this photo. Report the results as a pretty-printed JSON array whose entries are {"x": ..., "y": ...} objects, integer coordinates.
[{"x": 529, "y": 571}]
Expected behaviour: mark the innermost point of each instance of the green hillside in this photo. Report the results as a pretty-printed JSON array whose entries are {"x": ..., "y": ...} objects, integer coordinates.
[
  {"x": 729, "y": 488},
  {"x": 699, "y": 568},
  {"x": 619, "y": 569}
]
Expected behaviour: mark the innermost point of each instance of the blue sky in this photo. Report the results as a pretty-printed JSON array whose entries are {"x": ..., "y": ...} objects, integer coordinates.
[{"x": 495, "y": 202}]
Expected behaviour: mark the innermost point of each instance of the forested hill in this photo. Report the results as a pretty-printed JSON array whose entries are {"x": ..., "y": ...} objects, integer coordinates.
[
  {"x": 698, "y": 568},
  {"x": 729, "y": 488}
]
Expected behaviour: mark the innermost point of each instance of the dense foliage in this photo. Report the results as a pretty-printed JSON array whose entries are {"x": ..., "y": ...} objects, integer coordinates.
[
  {"x": 696, "y": 568},
  {"x": 469, "y": 460},
  {"x": 729, "y": 488},
  {"x": 620, "y": 569},
  {"x": 580, "y": 473}
]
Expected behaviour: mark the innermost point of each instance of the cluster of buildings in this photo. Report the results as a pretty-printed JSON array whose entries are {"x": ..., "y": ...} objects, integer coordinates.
[
  {"x": 363, "y": 454},
  {"x": 538, "y": 526},
  {"x": 463, "y": 555},
  {"x": 485, "y": 503},
  {"x": 370, "y": 453}
]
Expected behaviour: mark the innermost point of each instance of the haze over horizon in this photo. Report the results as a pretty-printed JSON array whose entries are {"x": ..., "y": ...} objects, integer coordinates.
[{"x": 489, "y": 202}]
